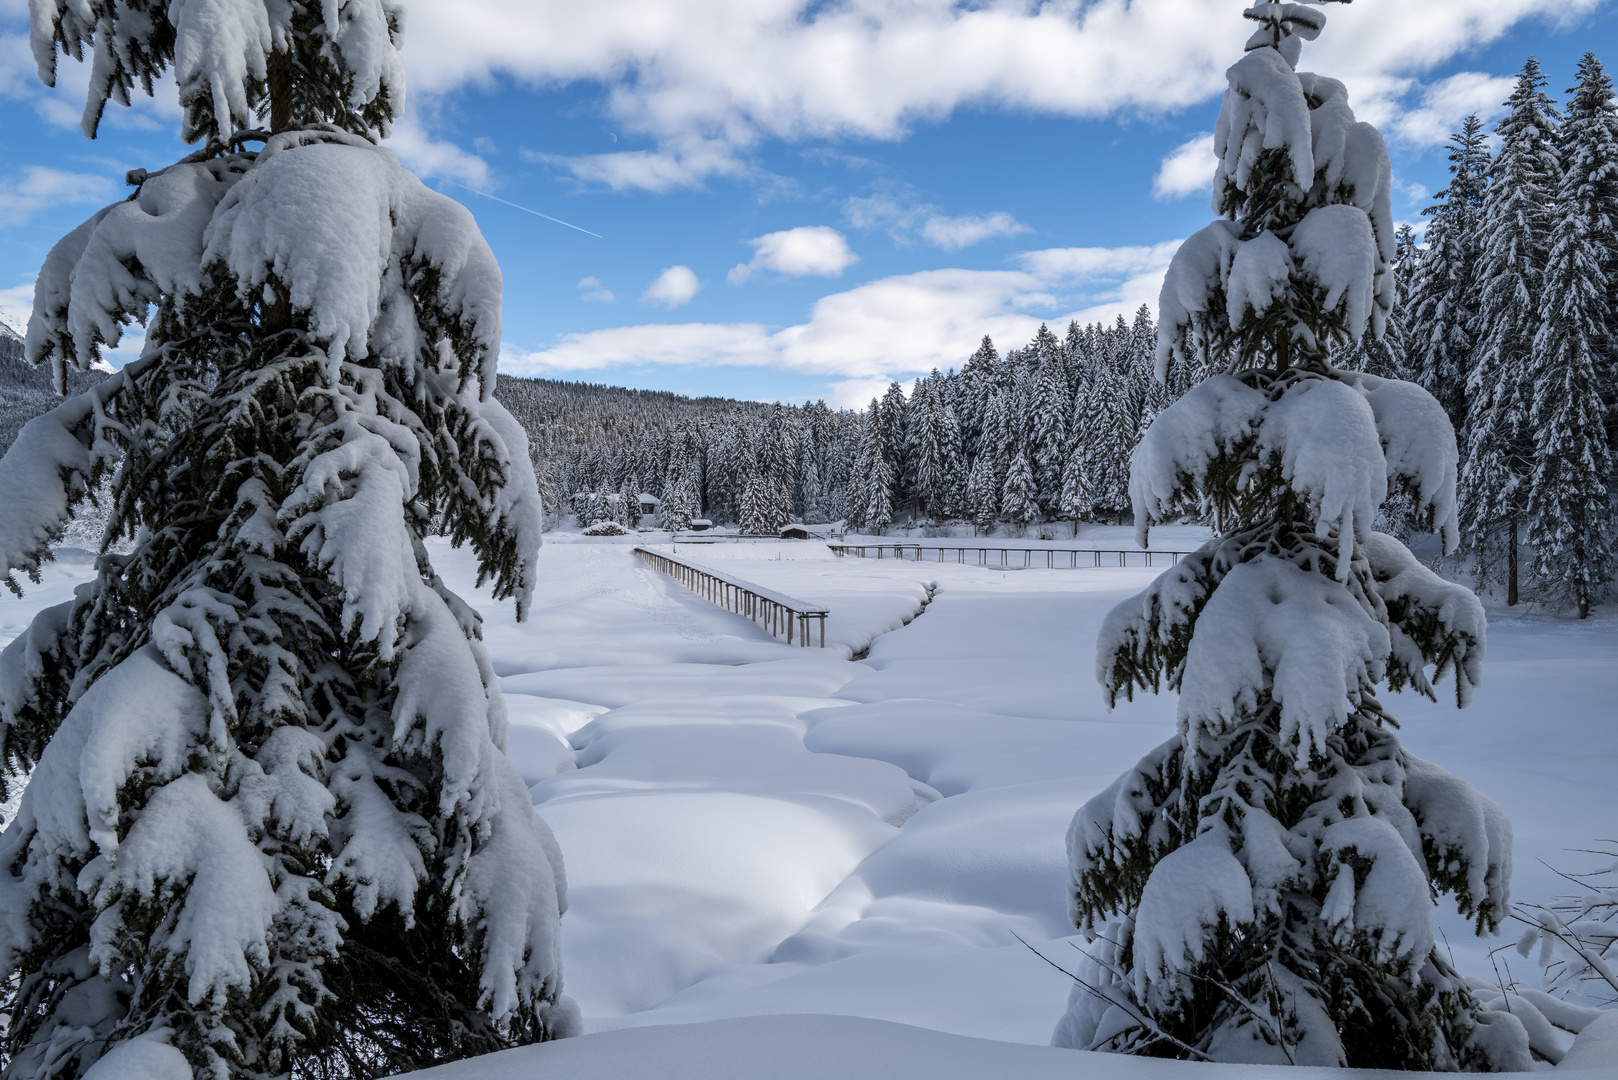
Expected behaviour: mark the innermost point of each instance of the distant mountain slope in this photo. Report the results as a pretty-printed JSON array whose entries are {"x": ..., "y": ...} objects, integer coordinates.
[
  {"x": 559, "y": 416},
  {"x": 562, "y": 416},
  {"x": 25, "y": 391}
]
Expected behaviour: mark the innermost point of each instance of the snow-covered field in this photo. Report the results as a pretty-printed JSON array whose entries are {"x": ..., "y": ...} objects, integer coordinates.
[{"x": 753, "y": 829}]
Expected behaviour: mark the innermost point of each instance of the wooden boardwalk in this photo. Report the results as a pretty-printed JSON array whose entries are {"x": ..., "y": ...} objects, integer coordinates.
[
  {"x": 776, "y": 612},
  {"x": 1020, "y": 557}
]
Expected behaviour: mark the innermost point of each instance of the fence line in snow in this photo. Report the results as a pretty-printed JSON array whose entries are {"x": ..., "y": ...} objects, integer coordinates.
[
  {"x": 776, "y": 612},
  {"x": 959, "y": 554}
]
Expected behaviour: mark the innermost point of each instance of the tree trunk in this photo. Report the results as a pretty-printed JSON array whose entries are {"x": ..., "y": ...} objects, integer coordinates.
[
  {"x": 1511, "y": 564},
  {"x": 280, "y": 80},
  {"x": 278, "y": 313}
]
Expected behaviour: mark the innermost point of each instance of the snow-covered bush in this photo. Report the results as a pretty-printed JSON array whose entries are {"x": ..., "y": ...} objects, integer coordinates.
[
  {"x": 269, "y": 825},
  {"x": 1577, "y": 936},
  {"x": 1259, "y": 888}
]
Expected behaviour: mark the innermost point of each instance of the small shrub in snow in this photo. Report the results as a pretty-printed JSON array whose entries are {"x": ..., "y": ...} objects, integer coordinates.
[
  {"x": 606, "y": 528},
  {"x": 1577, "y": 936},
  {"x": 1259, "y": 888},
  {"x": 269, "y": 827}
]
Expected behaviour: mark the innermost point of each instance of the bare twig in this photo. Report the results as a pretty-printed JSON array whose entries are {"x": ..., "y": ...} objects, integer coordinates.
[
  {"x": 1144, "y": 1021},
  {"x": 1592, "y": 960},
  {"x": 1230, "y": 991},
  {"x": 1574, "y": 878}
]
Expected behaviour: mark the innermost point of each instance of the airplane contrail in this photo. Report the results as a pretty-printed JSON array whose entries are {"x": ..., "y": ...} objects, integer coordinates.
[{"x": 524, "y": 209}]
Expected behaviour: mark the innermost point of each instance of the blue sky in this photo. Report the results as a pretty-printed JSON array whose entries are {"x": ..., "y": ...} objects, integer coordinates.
[{"x": 796, "y": 200}]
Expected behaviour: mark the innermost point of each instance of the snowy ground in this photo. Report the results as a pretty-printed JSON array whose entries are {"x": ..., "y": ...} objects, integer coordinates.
[{"x": 754, "y": 829}]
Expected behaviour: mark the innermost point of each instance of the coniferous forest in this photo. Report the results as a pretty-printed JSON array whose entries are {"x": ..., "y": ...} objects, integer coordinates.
[{"x": 1525, "y": 365}]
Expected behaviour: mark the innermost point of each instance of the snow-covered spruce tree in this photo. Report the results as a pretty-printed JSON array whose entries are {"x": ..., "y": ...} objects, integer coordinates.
[
  {"x": 1047, "y": 432},
  {"x": 892, "y": 417},
  {"x": 878, "y": 488},
  {"x": 1518, "y": 213},
  {"x": 1570, "y": 513},
  {"x": 998, "y": 442},
  {"x": 679, "y": 505},
  {"x": 626, "y": 511},
  {"x": 950, "y": 454},
  {"x": 977, "y": 378},
  {"x": 854, "y": 505},
  {"x": 871, "y": 501},
  {"x": 982, "y": 494},
  {"x": 1075, "y": 500},
  {"x": 1441, "y": 324},
  {"x": 268, "y": 821},
  {"x": 1149, "y": 396},
  {"x": 928, "y": 450},
  {"x": 1017, "y": 502},
  {"x": 1112, "y": 423},
  {"x": 762, "y": 511},
  {"x": 1259, "y": 888}
]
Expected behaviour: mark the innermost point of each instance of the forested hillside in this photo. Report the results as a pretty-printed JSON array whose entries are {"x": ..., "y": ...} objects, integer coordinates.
[
  {"x": 25, "y": 391},
  {"x": 1040, "y": 433}
]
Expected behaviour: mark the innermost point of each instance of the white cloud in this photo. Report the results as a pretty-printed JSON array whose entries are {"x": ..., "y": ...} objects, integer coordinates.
[
  {"x": 807, "y": 251},
  {"x": 39, "y": 187},
  {"x": 594, "y": 293},
  {"x": 1187, "y": 170},
  {"x": 955, "y": 233},
  {"x": 673, "y": 287},
  {"x": 430, "y": 157},
  {"x": 893, "y": 327},
  {"x": 857, "y": 393},
  {"x": 906, "y": 221},
  {"x": 17, "y": 76},
  {"x": 1446, "y": 103},
  {"x": 706, "y": 80},
  {"x": 1414, "y": 193},
  {"x": 16, "y": 304},
  {"x": 680, "y": 163},
  {"x": 1099, "y": 263}
]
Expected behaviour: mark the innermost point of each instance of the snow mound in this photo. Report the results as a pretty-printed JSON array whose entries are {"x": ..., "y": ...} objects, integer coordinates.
[{"x": 811, "y": 1047}]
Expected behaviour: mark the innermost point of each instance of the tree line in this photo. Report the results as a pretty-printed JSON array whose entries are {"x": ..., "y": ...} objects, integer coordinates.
[
  {"x": 1511, "y": 322},
  {"x": 1042, "y": 432}
]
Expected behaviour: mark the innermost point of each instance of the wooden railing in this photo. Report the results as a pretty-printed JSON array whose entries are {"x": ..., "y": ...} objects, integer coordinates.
[
  {"x": 775, "y": 612},
  {"x": 1024, "y": 557}
]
